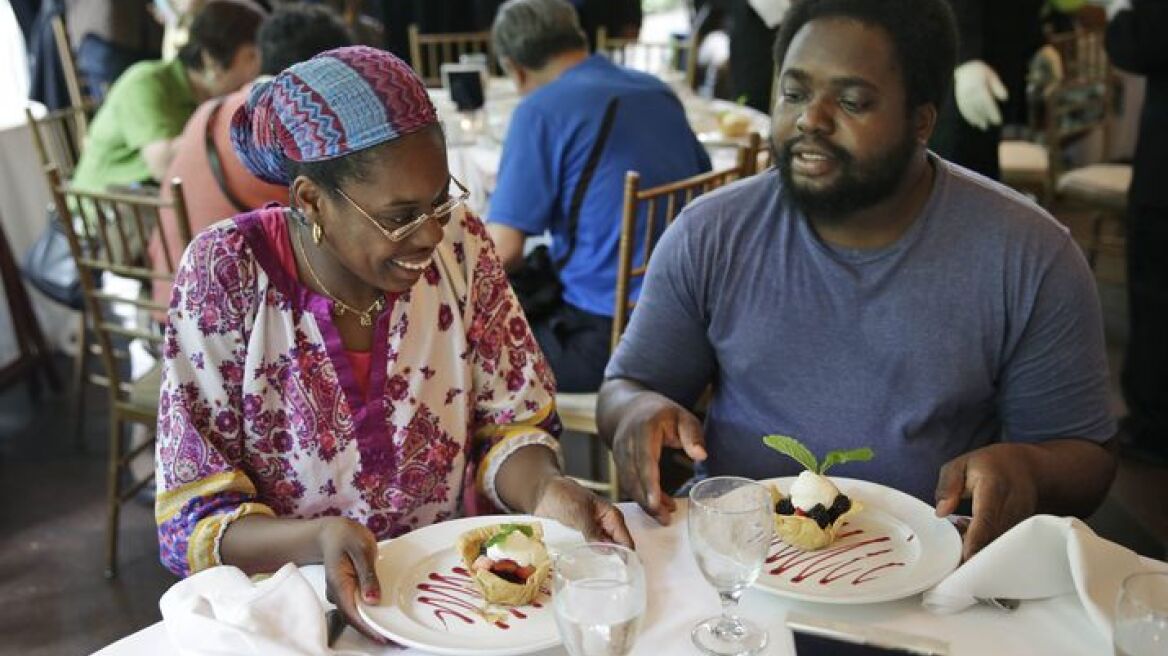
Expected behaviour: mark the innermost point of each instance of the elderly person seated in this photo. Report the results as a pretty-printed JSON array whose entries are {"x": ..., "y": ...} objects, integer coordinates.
[
  {"x": 350, "y": 367},
  {"x": 546, "y": 154}
]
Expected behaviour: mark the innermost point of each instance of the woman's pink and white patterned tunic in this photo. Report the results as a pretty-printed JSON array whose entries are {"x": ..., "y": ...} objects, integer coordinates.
[{"x": 260, "y": 412}]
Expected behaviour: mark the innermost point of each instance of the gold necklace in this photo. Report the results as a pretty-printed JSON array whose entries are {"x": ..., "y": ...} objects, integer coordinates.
[{"x": 339, "y": 306}]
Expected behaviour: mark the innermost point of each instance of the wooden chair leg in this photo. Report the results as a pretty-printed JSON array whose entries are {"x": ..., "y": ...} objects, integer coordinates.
[
  {"x": 613, "y": 478},
  {"x": 80, "y": 374},
  {"x": 1096, "y": 238},
  {"x": 113, "y": 494}
]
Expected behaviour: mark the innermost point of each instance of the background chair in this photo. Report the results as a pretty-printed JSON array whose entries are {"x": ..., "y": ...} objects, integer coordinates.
[
  {"x": 1075, "y": 105},
  {"x": 429, "y": 51},
  {"x": 660, "y": 59},
  {"x": 663, "y": 203},
  {"x": 108, "y": 236},
  {"x": 78, "y": 96},
  {"x": 59, "y": 137}
]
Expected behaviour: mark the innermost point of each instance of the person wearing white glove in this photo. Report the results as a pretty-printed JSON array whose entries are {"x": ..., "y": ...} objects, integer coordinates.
[
  {"x": 996, "y": 40},
  {"x": 978, "y": 90}
]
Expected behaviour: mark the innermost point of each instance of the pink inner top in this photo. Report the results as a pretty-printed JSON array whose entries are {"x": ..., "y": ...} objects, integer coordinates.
[{"x": 275, "y": 227}]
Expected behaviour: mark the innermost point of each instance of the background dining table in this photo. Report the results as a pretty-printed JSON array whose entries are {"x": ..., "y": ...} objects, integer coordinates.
[
  {"x": 475, "y": 139},
  {"x": 679, "y": 597}
]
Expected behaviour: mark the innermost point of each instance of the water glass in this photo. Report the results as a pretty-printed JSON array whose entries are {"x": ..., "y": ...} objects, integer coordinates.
[
  {"x": 730, "y": 524},
  {"x": 1141, "y": 615},
  {"x": 598, "y": 592}
]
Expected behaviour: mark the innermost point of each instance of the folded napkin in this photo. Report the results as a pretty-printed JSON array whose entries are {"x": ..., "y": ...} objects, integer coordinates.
[
  {"x": 220, "y": 611},
  {"x": 1042, "y": 557}
]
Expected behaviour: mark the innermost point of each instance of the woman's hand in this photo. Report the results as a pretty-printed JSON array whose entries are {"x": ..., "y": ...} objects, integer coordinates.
[
  {"x": 573, "y": 505},
  {"x": 349, "y": 554}
]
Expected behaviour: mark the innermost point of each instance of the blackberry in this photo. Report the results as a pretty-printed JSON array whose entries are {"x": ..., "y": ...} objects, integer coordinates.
[
  {"x": 841, "y": 505},
  {"x": 820, "y": 515},
  {"x": 784, "y": 506}
]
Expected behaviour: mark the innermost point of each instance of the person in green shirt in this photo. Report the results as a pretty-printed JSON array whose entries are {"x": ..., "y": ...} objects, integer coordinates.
[{"x": 132, "y": 137}]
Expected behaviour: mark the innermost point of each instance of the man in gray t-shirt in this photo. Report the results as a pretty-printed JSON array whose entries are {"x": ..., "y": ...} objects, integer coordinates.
[{"x": 867, "y": 293}]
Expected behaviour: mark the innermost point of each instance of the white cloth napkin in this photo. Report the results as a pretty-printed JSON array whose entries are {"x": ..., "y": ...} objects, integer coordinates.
[
  {"x": 1044, "y": 556},
  {"x": 220, "y": 611}
]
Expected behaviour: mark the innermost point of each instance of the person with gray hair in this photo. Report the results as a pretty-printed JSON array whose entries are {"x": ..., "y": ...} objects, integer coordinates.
[{"x": 545, "y": 182}]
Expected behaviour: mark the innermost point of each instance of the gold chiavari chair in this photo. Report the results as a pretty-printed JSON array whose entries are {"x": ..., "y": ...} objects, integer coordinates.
[
  {"x": 108, "y": 235},
  {"x": 659, "y": 59},
  {"x": 659, "y": 205},
  {"x": 429, "y": 51}
]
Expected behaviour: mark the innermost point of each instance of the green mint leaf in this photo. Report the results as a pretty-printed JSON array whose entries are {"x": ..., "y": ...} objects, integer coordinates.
[
  {"x": 793, "y": 448},
  {"x": 838, "y": 457},
  {"x": 504, "y": 531}
]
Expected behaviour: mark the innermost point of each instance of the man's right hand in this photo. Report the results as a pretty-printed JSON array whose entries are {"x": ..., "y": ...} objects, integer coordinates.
[{"x": 650, "y": 422}]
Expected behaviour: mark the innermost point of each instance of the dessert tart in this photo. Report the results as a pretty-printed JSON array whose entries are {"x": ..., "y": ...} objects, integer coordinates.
[
  {"x": 508, "y": 562},
  {"x": 812, "y": 512}
]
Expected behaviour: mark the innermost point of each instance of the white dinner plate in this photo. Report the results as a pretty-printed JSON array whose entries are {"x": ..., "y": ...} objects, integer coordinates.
[
  {"x": 894, "y": 548},
  {"x": 429, "y": 602}
]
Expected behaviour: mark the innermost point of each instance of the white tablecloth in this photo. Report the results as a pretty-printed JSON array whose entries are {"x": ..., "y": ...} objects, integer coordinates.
[
  {"x": 679, "y": 598},
  {"x": 24, "y": 195},
  {"x": 475, "y": 142}
]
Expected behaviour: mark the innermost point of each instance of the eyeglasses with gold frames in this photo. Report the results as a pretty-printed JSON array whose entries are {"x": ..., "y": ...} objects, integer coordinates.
[{"x": 406, "y": 228}]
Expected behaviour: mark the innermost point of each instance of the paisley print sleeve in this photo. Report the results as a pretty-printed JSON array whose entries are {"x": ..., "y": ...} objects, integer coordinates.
[
  {"x": 514, "y": 390},
  {"x": 200, "y": 487}
]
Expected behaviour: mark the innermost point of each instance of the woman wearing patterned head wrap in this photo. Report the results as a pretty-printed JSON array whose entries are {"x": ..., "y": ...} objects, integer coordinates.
[{"x": 334, "y": 371}]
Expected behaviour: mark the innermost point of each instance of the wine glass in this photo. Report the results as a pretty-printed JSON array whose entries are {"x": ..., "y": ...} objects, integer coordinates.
[
  {"x": 1141, "y": 615},
  {"x": 730, "y": 528},
  {"x": 598, "y": 591}
]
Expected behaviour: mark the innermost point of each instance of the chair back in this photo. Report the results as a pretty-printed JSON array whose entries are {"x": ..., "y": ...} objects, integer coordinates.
[
  {"x": 1080, "y": 102},
  {"x": 657, "y": 59},
  {"x": 429, "y": 51},
  {"x": 58, "y": 137},
  {"x": 755, "y": 155},
  {"x": 108, "y": 234},
  {"x": 661, "y": 205},
  {"x": 77, "y": 92}
]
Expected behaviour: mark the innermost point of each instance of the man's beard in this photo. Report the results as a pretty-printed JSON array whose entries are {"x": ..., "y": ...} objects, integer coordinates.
[{"x": 858, "y": 185}]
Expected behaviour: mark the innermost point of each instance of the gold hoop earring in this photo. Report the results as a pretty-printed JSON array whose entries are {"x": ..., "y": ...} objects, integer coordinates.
[{"x": 317, "y": 233}]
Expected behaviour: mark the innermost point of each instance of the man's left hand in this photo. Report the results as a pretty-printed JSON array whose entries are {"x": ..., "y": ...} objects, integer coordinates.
[
  {"x": 1002, "y": 485},
  {"x": 572, "y": 505}
]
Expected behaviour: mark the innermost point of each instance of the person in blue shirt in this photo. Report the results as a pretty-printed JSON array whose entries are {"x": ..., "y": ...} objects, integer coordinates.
[{"x": 566, "y": 92}]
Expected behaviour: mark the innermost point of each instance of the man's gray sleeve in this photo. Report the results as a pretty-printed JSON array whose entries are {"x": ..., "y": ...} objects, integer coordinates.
[{"x": 1055, "y": 381}]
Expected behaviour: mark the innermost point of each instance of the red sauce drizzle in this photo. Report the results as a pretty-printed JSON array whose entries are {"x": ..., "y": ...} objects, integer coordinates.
[
  {"x": 455, "y": 595},
  {"x": 833, "y": 564}
]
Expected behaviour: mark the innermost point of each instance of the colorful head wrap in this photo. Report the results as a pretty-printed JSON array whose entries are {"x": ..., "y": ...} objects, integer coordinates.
[{"x": 334, "y": 104}]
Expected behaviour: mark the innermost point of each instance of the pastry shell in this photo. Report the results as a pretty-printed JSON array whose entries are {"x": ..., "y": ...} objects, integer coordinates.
[
  {"x": 803, "y": 532},
  {"x": 496, "y": 589}
]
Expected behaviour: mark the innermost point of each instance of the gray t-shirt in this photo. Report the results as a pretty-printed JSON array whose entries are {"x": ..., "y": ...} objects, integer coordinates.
[{"x": 980, "y": 324}]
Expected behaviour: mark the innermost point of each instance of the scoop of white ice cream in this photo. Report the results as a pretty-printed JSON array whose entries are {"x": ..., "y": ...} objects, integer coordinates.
[
  {"x": 811, "y": 488},
  {"x": 520, "y": 548}
]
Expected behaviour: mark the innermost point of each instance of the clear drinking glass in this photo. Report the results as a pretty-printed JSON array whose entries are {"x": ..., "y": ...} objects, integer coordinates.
[
  {"x": 730, "y": 528},
  {"x": 1141, "y": 615},
  {"x": 598, "y": 592}
]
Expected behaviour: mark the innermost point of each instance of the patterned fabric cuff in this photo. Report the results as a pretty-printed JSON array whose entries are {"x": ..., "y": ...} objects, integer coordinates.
[
  {"x": 499, "y": 453},
  {"x": 203, "y": 549}
]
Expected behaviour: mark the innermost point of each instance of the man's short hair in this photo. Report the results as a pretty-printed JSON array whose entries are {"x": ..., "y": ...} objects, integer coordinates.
[
  {"x": 923, "y": 34},
  {"x": 530, "y": 32},
  {"x": 298, "y": 32}
]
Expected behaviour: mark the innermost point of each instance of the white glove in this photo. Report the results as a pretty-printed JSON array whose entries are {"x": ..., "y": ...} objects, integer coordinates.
[
  {"x": 978, "y": 90},
  {"x": 770, "y": 11}
]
